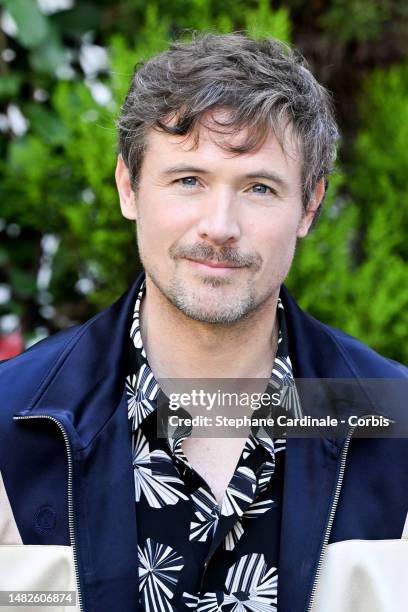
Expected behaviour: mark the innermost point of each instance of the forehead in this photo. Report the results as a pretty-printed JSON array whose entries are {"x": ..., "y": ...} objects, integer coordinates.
[{"x": 211, "y": 142}]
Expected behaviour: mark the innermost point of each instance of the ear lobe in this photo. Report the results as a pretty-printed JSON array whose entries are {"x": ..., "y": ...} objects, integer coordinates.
[
  {"x": 312, "y": 209},
  {"x": 306, "y": 221},
  {"x": 126, "y": 194}
]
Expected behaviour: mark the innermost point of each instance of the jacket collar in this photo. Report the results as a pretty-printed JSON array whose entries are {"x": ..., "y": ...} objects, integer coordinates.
[
  {"x": 86, "y": 384},
  {"x": 339, "y": 371}
]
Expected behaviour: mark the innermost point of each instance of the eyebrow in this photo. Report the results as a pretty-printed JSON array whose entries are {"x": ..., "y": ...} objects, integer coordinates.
[
  {"x": 260, "y": 174},
  {"x": 183, "y": 168}
]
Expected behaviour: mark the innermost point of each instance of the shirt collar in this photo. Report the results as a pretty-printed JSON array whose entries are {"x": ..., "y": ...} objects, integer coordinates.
[{"x": 143, "y": 389}]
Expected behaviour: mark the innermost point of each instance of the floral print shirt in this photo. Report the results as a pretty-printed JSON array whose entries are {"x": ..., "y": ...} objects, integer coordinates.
[{"x": 196, "y": 554}]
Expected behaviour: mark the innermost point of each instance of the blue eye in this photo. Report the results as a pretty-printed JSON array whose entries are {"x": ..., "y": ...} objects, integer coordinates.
[
  {"x": 188, "y": 181},
  {"x": 260, "y": 188}
]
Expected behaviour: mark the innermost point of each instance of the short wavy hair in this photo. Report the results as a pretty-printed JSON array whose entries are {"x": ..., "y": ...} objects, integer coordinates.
[{"x": 264, "y": 84}]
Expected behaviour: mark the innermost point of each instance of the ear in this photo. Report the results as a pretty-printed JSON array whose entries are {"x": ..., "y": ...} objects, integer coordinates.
[
  {"x": 126, "y": 194},
  {"x": 312, "y": 209}
]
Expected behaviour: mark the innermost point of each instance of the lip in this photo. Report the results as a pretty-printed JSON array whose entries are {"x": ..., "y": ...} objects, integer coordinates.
[
  {"x": 215, "y": 264},
  {"x": 214, "y": 268}
]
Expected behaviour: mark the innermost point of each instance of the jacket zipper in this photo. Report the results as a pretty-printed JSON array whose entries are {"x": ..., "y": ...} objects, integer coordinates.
[
  {"x": 333, "y": 509},
  {"x": 332, "y": 513},
  {"x": 70, "y": 496}
]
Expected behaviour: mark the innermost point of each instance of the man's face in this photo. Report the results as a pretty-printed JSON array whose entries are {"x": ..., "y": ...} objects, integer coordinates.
[{"x": 216, "y": 231}]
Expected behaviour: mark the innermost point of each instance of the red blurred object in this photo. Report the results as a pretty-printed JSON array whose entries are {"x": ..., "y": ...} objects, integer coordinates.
[{"x": 11, "y": 345}]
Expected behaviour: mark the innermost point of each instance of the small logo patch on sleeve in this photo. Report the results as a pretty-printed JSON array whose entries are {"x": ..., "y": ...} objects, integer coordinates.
[{"x": 45, "y": 519}]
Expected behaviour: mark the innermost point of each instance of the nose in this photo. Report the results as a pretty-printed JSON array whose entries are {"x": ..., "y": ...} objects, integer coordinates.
[{"x": 219, "y": 222}]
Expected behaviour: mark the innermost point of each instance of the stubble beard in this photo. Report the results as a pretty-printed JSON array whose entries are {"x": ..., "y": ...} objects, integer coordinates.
[
  {"x": 215, "y": 301},
  {"x": 210, "y": 303}
]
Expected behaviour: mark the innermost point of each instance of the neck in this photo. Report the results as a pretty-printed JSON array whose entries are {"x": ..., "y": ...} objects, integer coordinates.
[{"x": 180, "y": 347}]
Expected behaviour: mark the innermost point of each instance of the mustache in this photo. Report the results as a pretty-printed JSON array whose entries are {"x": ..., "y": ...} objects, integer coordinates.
[{"x": 223, "y": 255}]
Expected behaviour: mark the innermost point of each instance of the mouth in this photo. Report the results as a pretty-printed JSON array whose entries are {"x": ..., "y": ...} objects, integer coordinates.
[
  {"x": 214, "y": 264},
  {"x": 215, "y": 268}
]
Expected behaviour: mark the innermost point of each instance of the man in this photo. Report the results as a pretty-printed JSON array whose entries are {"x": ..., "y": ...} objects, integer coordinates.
[{"x": 225, "y": 147}]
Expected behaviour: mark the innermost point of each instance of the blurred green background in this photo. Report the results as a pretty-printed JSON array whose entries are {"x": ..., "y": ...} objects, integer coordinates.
[{"x": 65, "y": 66}]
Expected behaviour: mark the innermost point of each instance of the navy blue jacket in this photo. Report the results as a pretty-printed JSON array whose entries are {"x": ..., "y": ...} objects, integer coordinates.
[{"x": 68, "y": 468}]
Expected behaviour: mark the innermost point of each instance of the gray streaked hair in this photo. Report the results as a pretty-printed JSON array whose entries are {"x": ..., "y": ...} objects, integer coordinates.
[{"x": 264, "y": 84}]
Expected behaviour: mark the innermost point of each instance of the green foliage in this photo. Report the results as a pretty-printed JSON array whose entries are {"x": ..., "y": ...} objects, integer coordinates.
[
  {"x": 356, "y": 19},
  {"x": 262, "y": 22},
  {"x": 321, "y": 272},
  {"x": 38, "y": 34},
  {"x": 352, "y": 271},
  {"x": 9, "y": 86},
  {"x": 380, "y": 187},
  {"x": 33, "y": 26}
]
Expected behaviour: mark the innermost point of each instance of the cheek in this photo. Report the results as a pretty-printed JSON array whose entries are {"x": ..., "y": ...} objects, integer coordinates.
[
  {"x": 276, "y": 243},
  {"x": 277, "y": 237},
  {"x": 161, "y": 224},
  {"x": 278, "y": 252}
]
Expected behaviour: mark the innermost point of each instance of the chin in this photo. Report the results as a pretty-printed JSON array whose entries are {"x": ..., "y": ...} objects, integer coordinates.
[
  {"x": 224, "y": 311},
  {"x": 220, "y": 317}
]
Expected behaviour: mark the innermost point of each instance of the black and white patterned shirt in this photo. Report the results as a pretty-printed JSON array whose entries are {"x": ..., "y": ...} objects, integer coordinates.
[{"x": 195, "y": 554}]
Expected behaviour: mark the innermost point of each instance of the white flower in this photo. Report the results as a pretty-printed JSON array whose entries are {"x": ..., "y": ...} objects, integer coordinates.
[
  {"x": 150, "y": 475},
  {"x": 159, "y": 569},
  {"x": 249, "y": 587},
  {"x": 207, "y": 514},
  {"x": 240, "y": 492}
]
